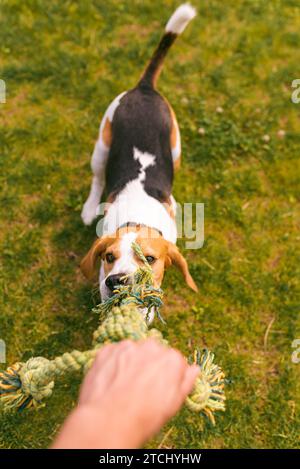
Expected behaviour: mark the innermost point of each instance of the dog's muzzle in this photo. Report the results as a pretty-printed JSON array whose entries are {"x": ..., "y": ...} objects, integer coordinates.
[{"x": 113, "y": 281}]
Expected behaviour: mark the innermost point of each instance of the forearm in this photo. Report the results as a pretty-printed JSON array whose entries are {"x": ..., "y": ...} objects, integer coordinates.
[{"x": 87, "y": 429}]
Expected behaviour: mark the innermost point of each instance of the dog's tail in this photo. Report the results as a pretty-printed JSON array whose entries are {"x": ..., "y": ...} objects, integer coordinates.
[{"x": 175, "y": 26}]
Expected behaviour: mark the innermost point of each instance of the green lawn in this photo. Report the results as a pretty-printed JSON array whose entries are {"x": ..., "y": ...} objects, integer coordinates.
[{"x": 63, "y": 62}]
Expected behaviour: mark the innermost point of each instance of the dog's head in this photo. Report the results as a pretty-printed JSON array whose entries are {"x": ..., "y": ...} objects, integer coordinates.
[{"x": 118, "y": 258}]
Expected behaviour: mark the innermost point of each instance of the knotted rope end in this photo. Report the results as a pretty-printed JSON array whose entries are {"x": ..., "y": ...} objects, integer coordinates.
[{"x": 208, "y": 395}]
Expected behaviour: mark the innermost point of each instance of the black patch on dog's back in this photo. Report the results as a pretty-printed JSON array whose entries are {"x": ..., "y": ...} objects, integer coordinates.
[{"x": 142, "y": 120}]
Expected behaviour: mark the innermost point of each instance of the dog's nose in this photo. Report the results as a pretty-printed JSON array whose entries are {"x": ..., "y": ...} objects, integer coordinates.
[{"x": 113, "y": 280}]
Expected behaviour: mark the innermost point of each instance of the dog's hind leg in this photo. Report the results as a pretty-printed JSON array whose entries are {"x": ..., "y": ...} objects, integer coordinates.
[{"x": 98, "y": 164}]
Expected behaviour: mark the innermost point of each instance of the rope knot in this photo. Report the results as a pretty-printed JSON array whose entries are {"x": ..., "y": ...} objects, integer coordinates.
[
  {"x": 122, "y": 322},
  {"x": 208, "y": 393},
  {"x": 35, "y": 383}
]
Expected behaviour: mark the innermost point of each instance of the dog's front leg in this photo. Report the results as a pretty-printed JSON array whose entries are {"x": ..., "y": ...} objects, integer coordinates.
[{"x": 98, "y": 164}]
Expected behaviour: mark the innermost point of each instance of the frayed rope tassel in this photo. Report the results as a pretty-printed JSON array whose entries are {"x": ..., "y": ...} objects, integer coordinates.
[{"x": 25, "y": 385}]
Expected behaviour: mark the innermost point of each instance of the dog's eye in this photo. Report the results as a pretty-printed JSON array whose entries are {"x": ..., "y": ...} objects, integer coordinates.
[
  {"x": 110, "y": 258},
  {"x": 150, "y": 259}
]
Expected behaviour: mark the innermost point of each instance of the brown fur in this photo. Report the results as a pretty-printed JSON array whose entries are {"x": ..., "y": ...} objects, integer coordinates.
[
  {"x": 153, "y": 69},
  {"x": 152, "y": 244},
  {"x": 107, "y": 133},
  {"x": 174, "y": 134},
  {"x": 168, "y": 206}
]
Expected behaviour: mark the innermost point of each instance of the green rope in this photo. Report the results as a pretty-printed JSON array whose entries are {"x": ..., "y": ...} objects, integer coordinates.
[{"x": 25, "y": 385}]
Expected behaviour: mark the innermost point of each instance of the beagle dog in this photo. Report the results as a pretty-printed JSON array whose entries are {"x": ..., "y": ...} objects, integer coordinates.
[{"x": 134, "y": 159}]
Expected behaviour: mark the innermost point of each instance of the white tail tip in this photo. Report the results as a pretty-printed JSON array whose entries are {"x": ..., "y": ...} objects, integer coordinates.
[{"x": 180, "y": 18}]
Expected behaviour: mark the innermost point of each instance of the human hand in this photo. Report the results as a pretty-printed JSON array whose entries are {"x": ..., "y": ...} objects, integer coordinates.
[{"x": 131, "y": 390}]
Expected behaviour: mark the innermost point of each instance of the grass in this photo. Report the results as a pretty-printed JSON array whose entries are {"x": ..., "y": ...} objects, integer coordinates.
[{"x": 63, "y": 62}]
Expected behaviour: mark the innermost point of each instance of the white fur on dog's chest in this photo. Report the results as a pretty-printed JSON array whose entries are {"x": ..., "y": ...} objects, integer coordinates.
[{"x": 133, "y": 204}]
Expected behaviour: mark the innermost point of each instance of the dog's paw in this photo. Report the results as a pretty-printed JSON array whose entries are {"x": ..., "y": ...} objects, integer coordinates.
[{"x": 89, "y": 212}]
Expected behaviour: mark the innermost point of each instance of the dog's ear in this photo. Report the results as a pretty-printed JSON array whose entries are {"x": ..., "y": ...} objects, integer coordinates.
[
  {"x": 176, "y": 258},
  {"x": 88, "y": 263}
]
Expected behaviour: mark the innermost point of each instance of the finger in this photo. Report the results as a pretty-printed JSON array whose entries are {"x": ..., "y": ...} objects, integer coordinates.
[
  {"x": 102, "y": 355},
  {"x": 90, "y": 376},
  {"x": 107, "y": 364},
  {"x": 132, "y": 360},
  {"x": 142, "y": 355},
  {"x": 102, "y": 372},
  {"x": 177, "y": 364},
  {"x": 174, "y": 376},
  {"x": 189, "y": 380},
  {"x": 107, "y": 350}
]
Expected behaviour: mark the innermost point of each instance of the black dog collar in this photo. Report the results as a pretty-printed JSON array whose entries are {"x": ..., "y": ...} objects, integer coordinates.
[{"x": 132, "y": 223}]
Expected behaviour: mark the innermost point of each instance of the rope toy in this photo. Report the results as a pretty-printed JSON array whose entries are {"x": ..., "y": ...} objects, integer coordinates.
[{"x": 25, "y": 385}]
